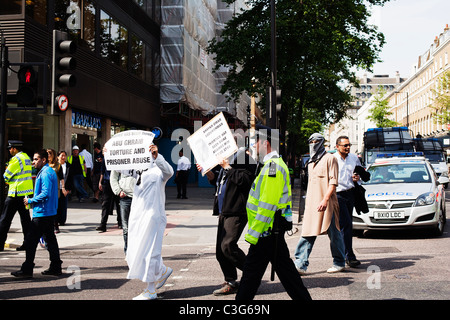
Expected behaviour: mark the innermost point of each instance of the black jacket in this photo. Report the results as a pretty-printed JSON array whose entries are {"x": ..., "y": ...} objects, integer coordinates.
[
  {"x": 360, "y": 192},
  {"x": 239, "y": 181}
]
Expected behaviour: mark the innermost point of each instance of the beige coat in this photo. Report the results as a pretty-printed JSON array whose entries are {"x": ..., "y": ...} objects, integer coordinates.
[{"x": 321, "y": 175}]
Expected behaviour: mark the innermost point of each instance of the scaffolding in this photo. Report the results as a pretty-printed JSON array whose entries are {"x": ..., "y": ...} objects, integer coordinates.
[{"x": 186, "y": 68}]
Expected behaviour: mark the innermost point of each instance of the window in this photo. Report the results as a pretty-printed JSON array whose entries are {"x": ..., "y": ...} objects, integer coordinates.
[
  {"x": 138, "y": 57},
  {"x": 113, "y": 40},
  {"x": 37, "y": 10},
  {"x": 8, "y": 7},
  {"x": 88, "y": 13},
  {"x": 152, "y": 8}
]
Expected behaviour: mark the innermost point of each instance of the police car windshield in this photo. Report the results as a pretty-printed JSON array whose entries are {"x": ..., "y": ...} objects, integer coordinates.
[{"x": 399, "y": 173}]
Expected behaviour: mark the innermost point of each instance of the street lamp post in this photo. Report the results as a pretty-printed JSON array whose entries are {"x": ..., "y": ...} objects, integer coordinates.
[
  {"x": 273, "y": 67},
  {"x": 4, "y": 89}
]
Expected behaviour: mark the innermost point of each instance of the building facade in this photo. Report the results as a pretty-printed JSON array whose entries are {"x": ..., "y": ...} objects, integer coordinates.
[
  {"x": 411, "y": 104},
  {"x": 117, "y": 71},
  {"x": 140, "y": 64},
  {"x": 351, "y": 125}
]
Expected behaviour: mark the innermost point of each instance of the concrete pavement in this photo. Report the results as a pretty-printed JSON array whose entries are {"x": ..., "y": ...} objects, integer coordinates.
[{"x": 409, "y": 266}]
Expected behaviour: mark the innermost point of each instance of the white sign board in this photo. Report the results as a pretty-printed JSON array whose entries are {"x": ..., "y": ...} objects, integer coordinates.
[
  {"x": 212, "y": 143},
  {"x": 129, "y": 150}
]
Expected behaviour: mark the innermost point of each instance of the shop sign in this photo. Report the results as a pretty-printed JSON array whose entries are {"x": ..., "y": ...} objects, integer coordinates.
[{"x": 86, "y": 120}]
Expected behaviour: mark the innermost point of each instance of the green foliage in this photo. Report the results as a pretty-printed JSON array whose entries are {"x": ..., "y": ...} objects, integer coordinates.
[
  {"x": 441, "y": 102},
  {"x": 319, "y": 42},
  {"x": 380, "y": 111}
]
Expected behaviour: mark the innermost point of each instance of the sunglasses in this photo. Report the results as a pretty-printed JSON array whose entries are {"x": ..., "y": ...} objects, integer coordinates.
[{"x": 346, "y": 145}]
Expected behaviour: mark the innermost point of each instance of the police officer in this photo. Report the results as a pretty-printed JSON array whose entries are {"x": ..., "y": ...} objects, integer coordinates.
[
  {"x": 270, "y": 192},
  {"x": 18, "y": 177}
]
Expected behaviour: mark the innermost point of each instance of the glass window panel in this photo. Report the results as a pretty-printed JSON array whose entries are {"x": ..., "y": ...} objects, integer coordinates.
[
  {"x": 89, "y": 24},
  {"x": 137, "y": 59},
  {"x": 10, "y": 7},
  {"x": 37, "y": 10},
  {"x": 113, "y": 40}
]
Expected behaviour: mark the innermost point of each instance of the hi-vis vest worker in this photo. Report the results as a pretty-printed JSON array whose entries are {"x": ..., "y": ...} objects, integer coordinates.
[
  {"x": 270, "y": 192},
  {"x": 18, "y": 173},
  {"x": 70, "y": 159}
]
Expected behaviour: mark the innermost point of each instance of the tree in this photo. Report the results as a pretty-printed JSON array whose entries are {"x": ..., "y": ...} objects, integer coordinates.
[
  {"x": 319, "y": 42},
  {"x": 441, "y": 102},
  {"x": 380, "y": 111}
]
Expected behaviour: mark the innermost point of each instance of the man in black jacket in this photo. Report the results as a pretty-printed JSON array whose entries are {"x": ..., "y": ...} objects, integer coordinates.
[{"x": 233, "y": 183}]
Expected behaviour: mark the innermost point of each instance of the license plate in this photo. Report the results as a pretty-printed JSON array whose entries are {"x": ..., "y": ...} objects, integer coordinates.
[{"x": 389, "y": 215}]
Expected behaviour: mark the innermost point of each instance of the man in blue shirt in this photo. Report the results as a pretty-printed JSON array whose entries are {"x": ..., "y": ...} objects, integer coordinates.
[{"x": 45, "y": 204}]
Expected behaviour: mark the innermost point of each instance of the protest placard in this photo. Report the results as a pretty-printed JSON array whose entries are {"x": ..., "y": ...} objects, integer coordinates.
[
  {"x": 212, "y": 143},
  {"x": 129, "y": 150}
]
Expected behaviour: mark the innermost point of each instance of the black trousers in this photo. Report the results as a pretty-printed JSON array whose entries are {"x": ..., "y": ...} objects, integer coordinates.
[
  {"x": 228, "y": 253},
  {"x": 346, "y": 201},
  {"x": 108, "y": 201},
  {"x": 42, "y": 226},
  {"x": 12, "y": 205},
  {"x": 256, "y": 263},
  {"x": 182, "y": 180}
]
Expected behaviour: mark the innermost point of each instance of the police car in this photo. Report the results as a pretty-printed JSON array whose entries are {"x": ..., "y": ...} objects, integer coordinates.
[{"x": 403, "y": 192}]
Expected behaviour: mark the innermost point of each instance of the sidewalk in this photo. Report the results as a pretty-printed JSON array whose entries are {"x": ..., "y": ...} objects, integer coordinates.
[
  {"x": 188, "y": 248},
  {"x": 83, "y": 218}
]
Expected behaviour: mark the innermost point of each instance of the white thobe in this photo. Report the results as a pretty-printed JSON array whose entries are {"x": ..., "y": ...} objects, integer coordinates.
[{"x": 147, "y": 223}]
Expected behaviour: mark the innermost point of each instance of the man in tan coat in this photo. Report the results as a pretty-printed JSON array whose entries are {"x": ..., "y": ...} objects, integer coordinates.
[{"x": 321, "y": 207}]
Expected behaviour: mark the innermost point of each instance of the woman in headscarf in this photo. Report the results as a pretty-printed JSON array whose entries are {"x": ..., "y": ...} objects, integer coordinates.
[
  {"x": 146, "y": 226},
  {"x": 321, "y": 207}
]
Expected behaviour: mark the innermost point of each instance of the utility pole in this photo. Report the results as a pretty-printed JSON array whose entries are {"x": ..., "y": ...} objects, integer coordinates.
[
  {"x": 272, "y": 112},
  {"x": 4, "y": 108}
]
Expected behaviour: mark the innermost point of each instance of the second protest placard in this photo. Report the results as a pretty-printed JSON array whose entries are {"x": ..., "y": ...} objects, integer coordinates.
[{"x": 212, "y": 143}]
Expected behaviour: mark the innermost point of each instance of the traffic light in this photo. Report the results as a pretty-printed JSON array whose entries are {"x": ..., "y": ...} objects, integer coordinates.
[
  {"x": 27, "y": 93},
  {"x": 278, "y": 98},
  {"x": 63, "y": 64}
]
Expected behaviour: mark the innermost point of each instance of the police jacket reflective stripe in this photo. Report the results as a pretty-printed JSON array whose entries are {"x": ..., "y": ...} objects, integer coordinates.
[{"x": 18, "y": 175}]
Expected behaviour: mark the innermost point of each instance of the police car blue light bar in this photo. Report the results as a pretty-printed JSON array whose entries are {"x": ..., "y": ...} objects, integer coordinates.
[
  {"x": 389, "y": 129},
  {"x": 401, "y": 154}
]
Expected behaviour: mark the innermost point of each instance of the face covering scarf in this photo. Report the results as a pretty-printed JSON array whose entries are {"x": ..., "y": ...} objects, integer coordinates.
[{"x": 317, "y": 149}]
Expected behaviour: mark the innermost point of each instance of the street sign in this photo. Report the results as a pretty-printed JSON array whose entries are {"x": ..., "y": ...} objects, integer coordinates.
[
  {"x": 158, "y": 133},
  {"x": 62, "y": 102}
]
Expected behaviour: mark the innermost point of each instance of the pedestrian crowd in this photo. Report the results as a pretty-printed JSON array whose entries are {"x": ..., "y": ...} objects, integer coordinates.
[{"x": 249, "y": 191}]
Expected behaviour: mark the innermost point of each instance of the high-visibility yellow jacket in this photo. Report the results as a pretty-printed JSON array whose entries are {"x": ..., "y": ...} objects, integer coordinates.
[
  {"x": 18, "y": 175},
  {"x": 70, "y": 158},
  {"x": 269, "y": 193}
]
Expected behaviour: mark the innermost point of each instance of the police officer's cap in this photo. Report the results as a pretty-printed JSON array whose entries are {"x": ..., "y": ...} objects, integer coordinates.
[
  {"x": 15, "y": 144},
  {"x": 263, "y": 132}
]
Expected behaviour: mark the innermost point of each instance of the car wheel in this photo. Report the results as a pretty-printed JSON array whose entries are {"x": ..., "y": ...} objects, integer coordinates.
[{"x": 439, "y": 229}]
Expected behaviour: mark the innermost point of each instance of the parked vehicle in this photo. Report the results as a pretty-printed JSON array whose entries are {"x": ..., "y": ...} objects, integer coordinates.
[{"x": 403, "y": 192}]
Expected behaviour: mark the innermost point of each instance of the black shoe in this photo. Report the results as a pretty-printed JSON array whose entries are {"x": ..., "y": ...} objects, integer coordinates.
[
  {"x": 101, "y": 229},
  {"x": 184, "y": 197},
  {"x": 21, "y": 248},
  {"x": 21, "y": 274},
  {"x": 50, "y": 272},
  {"x": 178, "y": 197},
  {"x": 353, "y": 263}
]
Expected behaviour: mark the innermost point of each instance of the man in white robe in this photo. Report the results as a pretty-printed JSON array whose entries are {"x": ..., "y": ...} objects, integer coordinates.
[{"x": 146, "y": 226}]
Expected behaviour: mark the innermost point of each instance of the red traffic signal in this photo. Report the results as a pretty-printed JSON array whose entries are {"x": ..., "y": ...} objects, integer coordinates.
[
  {"x": 26, "y": 94},
  {"x": 27, "y": 75}
]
